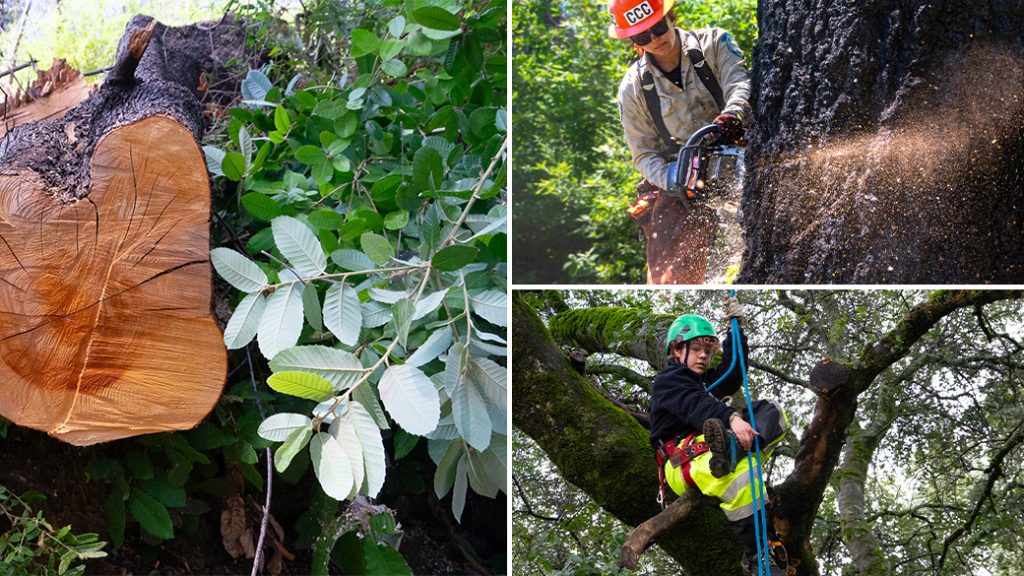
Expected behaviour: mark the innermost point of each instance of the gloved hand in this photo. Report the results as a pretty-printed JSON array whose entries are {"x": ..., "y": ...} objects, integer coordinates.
[
  {"x": 730, "y": 128},
  {"x": 733, "y": 309},
  {"x": 671, "y": 176}
]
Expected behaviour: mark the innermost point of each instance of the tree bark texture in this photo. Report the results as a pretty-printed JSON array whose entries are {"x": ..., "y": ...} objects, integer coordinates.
[
  {"x": 598, "y": 447},
  {"x": 887, "y": 144},
  {"x": 105, "y": 282}
]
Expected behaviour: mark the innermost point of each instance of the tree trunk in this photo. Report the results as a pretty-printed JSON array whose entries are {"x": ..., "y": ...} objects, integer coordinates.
[
  {"x": 105, "y": 281},
  {"x": 887, "y": 143}
]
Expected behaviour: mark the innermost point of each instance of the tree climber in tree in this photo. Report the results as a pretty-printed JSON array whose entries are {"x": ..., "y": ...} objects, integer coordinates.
[
  {"x": 695, "y": 433},
  {"x": 683, "y": 80}
]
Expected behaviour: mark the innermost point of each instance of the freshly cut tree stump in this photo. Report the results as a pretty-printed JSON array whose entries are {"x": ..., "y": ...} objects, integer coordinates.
[
  {"x": 106, "y": 329},
  {"x": 105, "y": 326}
]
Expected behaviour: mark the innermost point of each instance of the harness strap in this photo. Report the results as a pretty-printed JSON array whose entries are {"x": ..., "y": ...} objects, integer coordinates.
[
  {"x": 680, "y": 454},
  {"x": 650, "y": 89},
  {"x": 707, "y": 77}
]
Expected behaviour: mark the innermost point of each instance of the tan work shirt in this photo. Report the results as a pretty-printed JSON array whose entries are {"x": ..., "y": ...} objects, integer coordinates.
[{"x": 686, "y": 110}]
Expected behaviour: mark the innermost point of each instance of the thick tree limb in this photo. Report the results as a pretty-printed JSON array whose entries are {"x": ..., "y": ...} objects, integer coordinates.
[
  {"x": 642, "y": 536},
  {"x": 623, "y": 373},
  {"x": 629, "y": 332}
]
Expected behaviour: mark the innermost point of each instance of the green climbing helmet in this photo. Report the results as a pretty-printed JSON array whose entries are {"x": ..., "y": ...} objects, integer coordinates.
[{"x": 687, "y": 327}]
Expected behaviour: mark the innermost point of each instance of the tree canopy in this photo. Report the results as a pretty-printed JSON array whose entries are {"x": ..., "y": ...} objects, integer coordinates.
[{"x": 904, "y": 456}]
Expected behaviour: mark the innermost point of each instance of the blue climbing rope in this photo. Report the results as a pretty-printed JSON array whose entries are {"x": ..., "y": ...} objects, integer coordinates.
[{"x": 756, "y": 484}]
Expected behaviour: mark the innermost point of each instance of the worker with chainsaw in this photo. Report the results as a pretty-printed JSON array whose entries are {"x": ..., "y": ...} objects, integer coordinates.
[
  {"x": 697, "y": 435},
  {"x": 683, "y": 80}
]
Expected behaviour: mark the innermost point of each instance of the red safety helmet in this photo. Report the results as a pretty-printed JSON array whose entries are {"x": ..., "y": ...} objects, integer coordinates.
[{"x": 634, "y": 16}]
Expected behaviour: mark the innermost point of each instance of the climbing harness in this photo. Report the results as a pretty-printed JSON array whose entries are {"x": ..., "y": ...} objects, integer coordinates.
[
  {"x": 764, "y": 548},
  {"x": 680, "y": 454}
]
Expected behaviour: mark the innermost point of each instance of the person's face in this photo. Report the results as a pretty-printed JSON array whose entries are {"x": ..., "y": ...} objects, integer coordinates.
[
  {"x": 659, "y": 40},
  {"x": 701, "y": 351}
]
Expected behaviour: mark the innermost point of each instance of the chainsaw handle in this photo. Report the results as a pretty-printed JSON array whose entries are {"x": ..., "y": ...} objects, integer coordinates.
[{"x": 685, "y": 157}]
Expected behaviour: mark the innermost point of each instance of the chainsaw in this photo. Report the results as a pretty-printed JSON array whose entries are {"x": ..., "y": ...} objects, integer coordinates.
[{"x": 704, "y": 169}]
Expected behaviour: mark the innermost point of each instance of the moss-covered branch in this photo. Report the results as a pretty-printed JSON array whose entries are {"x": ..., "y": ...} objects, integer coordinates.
[{"x": 626, "y": 331}]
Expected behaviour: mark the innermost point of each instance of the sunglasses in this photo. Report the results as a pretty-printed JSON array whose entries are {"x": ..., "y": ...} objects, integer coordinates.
[{"x": 645, "y": 37}]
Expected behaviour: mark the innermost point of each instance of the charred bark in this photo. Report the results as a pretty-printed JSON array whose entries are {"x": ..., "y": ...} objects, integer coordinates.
[{"x": 888, "y": 143}]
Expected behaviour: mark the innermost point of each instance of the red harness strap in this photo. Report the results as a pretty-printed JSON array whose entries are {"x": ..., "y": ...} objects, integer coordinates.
[{"x": 680, "y": 454}]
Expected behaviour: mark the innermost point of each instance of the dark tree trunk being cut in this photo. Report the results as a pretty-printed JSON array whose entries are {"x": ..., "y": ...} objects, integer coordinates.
[
  {"x": 105, "y": 281},
  {"x": 888, "y": 144}
]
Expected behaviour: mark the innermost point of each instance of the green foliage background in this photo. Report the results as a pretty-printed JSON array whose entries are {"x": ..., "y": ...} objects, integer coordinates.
[
  {"x": 572, "y": 172},
  {"x": 366, "y": 161}
]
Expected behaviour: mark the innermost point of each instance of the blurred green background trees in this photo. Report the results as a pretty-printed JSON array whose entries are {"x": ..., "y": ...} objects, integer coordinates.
[{"x": 573, "y": 178}]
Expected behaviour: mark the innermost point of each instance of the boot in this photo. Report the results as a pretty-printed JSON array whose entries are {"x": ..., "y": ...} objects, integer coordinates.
[
  {"x": 751, "y": 568},
  {"x": 722, "y": 443}
]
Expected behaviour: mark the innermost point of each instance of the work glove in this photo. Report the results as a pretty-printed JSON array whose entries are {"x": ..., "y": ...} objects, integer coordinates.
[
  {"x": 733, "y": 309},
  {"x": 730, "y": 128},
  {"x": 671, "y": 177}
]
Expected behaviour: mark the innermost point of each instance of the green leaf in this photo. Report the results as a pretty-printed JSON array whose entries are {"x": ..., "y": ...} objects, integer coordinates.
[
  {"x": 470, "y": 414},
  {"x": 343, "y": 430},
  {"x": 365, "y": 396},
  {"x": 282, "y": 121},
  {"x": 278, "y": 427},
  {"x": 326, "y": 219},
  {"x": 261, "y": 206},
  {"x": 429, "y": 303},
  {"x": 491, "y": 305},
  {"x": 396, "y": 26},
  {"x": 459, "y": 490},
  {"x": 394, "y": 68},
  {"x": 256, "y": 85},
  {"x": 479, "y": 479},
  {"x": 396, "y": 220},
  {"x": 323, "y": 171},
  {"x": 170, "y": 496},
  {"x": 444, "y": 476},
  {"x": 427, "y": 169},
  {"x": 238, "y": 270},
  {"x": 492, "y": 380},
  {"x": 377, "y": 247},
  {"x": 404, "y": 443},
  {"x": 115, "y": 517},
  {"x": 364, "y": 42},
  {"x": 342, "y": 369},
  {"x": 341, "y": 313},
  {"x": 391, "y": 48},
  {"x": 311, "y": 308},
  {"x": 401, "y": 315},
  {"x": 301, "y": 384},
  {"x": 484, "y": 122},
  {"x": 331, "y": 466},
  {"x": 452, "y": 258},
  {"x": 214, "y": 158},
  {"x": 151, "y": 515},
  {"x": 437, "y": 18},
  {"x": 309, "y": 154},
  {"x": 295, "y": 442},
  {"x": 139, "y": 465},
  {"x": 244, "y": 321},
  {"x": 411, "y": 399},
  {"x": 281, "y": 323},
  {"x": 384, "y": 560},
  {"x": 299, "y": 245},
  {"x": 245, "y": 145},
  {"x": 233, "y": 166},
  {"x": 353, "y": 260},
  {"x": 435, "y": 344}
]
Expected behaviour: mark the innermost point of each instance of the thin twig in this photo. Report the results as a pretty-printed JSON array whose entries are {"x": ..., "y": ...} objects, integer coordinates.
[
  {"x": 475, "y": 196},
  {"x": 270, "y": 474}
]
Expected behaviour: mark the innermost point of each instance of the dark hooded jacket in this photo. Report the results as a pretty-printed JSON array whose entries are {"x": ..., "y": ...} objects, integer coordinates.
[{"x": 680, "y": 402}]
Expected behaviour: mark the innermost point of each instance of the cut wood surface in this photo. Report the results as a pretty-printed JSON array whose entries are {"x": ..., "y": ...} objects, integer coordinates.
[
  {"x": 105, "y": 324},
  {"x": 51, "y": 95}
]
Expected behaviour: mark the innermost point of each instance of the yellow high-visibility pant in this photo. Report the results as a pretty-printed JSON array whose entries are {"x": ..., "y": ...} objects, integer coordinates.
[{"x": 733, "y": 489}]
